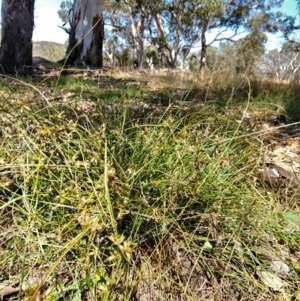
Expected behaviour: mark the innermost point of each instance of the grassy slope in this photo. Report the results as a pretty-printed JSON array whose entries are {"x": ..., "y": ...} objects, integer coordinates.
[
  {"x": 118, "y": 190},
  {"x": 49, "y": 50}
]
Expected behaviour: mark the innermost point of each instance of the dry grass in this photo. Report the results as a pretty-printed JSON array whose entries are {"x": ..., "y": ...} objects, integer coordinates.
[{"x": 117, "y": 191}]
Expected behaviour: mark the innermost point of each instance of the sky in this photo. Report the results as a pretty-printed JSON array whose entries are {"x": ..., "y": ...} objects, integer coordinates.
[
  {"x": 46, "y": 21},
  {"x": 290, "y": 8}
]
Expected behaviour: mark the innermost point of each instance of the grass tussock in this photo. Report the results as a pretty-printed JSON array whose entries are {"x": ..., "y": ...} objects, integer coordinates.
[{"x": 118, "y": 190}]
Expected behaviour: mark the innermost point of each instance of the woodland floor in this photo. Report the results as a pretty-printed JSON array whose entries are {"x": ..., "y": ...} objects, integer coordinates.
[{"x": 125, "y": 185}]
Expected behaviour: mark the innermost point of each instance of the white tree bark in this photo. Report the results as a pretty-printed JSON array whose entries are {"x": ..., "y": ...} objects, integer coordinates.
[
  {"x": 137, "y": 32},
  {"x": 87, "y": 33}
]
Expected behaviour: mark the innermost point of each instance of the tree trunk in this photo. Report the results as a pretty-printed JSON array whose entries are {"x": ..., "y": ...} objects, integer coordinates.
[
  {"x": 203, "y": 48},
  {"x": 87, "y": 34},
  {"x": 17, "y": 27},
  {"x": 172, "y": 59},
  {"x": 139, "y": 53},
  {"x": 137, "y": 33},
  {"x": 163, "y": 47}
]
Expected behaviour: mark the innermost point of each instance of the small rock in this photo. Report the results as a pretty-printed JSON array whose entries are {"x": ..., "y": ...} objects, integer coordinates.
[
  {"x": 280, "y": 267},
  {"x": 271, "y": 280}
]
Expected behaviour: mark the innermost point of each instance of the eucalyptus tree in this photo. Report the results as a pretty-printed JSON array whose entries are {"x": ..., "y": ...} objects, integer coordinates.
[
  {"x": 171, "y": 29},
  {"x": 137, "y": 18},
  {"x": 16, "y": 32},
  {"x": 65, "y": 13},
  {"x": 236, "y": 17},
  {"x": 151, "y": 24},
  {"x": 114, "y": 24},
  {"x": 86, "y": 33},
  {"x": 174, "y": 27},
  {"x": 290, "y": 60},
  {"x": 273, "y": 65},
  {"x": 177, "y": 25},
  {"x": 127, "y": 19},
  {"x": 109, "y": 49},
  {"x": 249, "y": 50},
  {"x": 65, "y": 10},
  {"x": 281, "y": 64},
  {"x": 163, "y": 24},
  {"x": 227, "y": 58}
]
